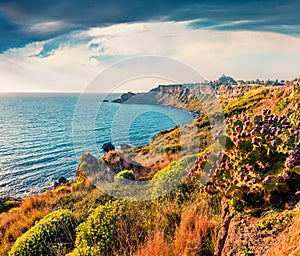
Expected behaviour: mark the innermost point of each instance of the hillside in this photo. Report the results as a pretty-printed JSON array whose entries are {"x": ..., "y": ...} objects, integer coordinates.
[{"x": 244, "y": 201}]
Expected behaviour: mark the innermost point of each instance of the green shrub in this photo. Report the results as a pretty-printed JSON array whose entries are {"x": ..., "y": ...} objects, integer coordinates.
[
  {"x": 125, "y": 174},
  {"x": 282, "y": 105},
  {"x": 170, "y": 177},
  {"x": 9, "y": 204},
  {"x": 171, "y": 149},
  {"x": 249, "y": 100},
  {"x": 277, "y": 222},
  {"x": 61, "y": 190},
  {"x": 96, "y": 235},
  {"x": 52, "y": 235},
  {"x": 116, "y": 228}
]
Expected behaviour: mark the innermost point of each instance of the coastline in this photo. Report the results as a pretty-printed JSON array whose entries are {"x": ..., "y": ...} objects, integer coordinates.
[{"x": 53, "y": 187}]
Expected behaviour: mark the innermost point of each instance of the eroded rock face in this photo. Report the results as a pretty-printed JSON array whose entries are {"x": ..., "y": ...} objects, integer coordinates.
[
  {"x": 117, "y": 162},
  {"x": 103, "y": 170},
  {"x": 245, "y": 235},
  {"x": 96, "y": 170},
  {"x": 239, "y": 234},
  {"x": 125, "y": 146}
]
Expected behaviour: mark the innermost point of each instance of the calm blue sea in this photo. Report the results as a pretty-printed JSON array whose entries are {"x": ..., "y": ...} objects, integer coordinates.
[{"x": 43, "y": 135}]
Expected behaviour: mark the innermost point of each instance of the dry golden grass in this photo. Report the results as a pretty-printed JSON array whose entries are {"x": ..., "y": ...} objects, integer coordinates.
[
  {"x": 16, "y": 222},
  {"x": 194, "y": 230},
  {"x": 155, "y": 245},
  {"x": 194, "y": 236},
  {"x": 289, "y": 242}
]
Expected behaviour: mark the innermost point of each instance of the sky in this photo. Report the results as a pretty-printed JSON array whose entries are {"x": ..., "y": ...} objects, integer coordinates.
[{"x": 63, "y": 46}]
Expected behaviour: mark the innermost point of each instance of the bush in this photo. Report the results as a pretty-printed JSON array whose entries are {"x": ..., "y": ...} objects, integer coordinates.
[
  {"x": 171, "y": 176},
  {"x": 125, "y": 174},
  {"x": 116, "y": 228},
  {"x": 171, "y": 149},
  {"x": 246, "y": 102},
  {"x": 282, "y": 105},
  {"x": 9, "y": 204},
  {"x": 50, "y": 236},
  {"x": 96, "y": 235}
]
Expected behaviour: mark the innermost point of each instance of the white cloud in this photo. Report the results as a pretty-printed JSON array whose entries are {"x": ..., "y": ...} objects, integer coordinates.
[
  {"x": 72, "y": 60},
  {"x": 48, "y": 26}
]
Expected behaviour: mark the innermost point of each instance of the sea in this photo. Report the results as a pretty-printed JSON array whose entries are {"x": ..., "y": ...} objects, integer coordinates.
[{"x": 43, "y": 135}]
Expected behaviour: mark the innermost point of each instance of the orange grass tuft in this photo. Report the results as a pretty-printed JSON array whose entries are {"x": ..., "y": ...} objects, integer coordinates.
[
  {"x": 288, "y": 244},
  {"x": 195, "y": 233},
  {"x": 154, "y": 246}
]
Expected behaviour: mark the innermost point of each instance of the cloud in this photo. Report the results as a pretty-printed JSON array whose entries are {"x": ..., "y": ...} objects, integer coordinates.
[
  {"x": 246, "y": 25},
  {"x": 94, "y": 46},
  {"x": 75, "y": 58},
  {"x": 27, "y": 21},
  {"x": 46, "y": 27},
  {"x": 72, "y": 39},
  {"x": 10, "y": 35},
  {"x": 111, "y": 59}
]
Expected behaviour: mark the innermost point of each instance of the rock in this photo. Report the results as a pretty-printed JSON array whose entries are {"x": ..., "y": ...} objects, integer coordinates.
[
  {"x": 126, "y": 96},
  {"x": 105, "y": 100},
  {"x": 117, "y": 101},
  {"x": 226, "y": 80},
  {"x": 108, "y": 147},
  {"x": 62, "y": 180},
  {"x": 125, "y": 146},
  {"x": 227, "y": 216},
  {"x": 96, "y": 170},
  {"x": 56, "y": 184}
]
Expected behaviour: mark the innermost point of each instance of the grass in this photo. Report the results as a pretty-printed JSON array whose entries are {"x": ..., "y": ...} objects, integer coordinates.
[
  {"x": 288, "y": 242},
  {"x": 194, "y": 234},
  {"x": 155, "y": 245},
  {"x": 182, "y": 222}
]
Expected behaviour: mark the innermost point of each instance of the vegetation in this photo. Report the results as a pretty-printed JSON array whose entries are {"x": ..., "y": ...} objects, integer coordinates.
[
  {"x": 202, "y": 200},
  {"x": 55, "y": 232},
  {"x": 8, "y": 203},
  {"x": 262, "y": 158},
  {"x": 125, "y": 174},
  {"x": 96, "y": 235}
]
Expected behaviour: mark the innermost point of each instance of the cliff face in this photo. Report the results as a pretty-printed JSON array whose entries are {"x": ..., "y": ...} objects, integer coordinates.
[
  {"x": 116, "y": 161},
  {"x": 175, "y": 95},
  {"x": 124, "y": 97},
  {"x": 104, "y": 169},
  {"x": 174, "y": 89}
]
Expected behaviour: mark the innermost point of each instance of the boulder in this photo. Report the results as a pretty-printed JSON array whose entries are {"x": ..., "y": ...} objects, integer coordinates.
[
  {"x": 108, "y": 147},
  {"x": 125, "y": 146},
  {"x": 56, "y": 184},
  {"x": 62, "y": 180}
]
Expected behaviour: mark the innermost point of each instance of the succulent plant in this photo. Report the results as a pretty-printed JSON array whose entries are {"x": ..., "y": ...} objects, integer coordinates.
[
  {"x": 286, "y": 176},
  {"x": 263, "y": 130},
  {"x": 238, "y": 128},
  {"x": 266, "y": 149},
  {"x": 274, "y": 143}
]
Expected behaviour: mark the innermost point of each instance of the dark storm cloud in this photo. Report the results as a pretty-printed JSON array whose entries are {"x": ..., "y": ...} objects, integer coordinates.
[
  {"x": 19, "y": 20},
  {"x": 70, "y": 39}
]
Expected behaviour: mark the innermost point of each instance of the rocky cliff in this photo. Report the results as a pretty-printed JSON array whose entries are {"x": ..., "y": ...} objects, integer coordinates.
[{"x": 175, "y": 95}]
